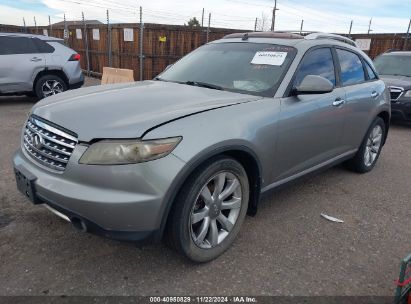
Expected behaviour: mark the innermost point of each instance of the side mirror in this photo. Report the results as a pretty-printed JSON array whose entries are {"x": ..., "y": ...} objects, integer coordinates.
[{"x": 313, "y": 84}]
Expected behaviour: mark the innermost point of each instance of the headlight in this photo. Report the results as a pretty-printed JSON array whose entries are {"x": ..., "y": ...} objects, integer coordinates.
[
  {"x": 407, "y": 94},
  {"x": 119, "y": 152}
]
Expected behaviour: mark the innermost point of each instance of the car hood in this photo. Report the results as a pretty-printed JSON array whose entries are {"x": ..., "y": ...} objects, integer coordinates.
[
  {"x": 129, "y": 110},
  {"x": 397, "y": 81}
]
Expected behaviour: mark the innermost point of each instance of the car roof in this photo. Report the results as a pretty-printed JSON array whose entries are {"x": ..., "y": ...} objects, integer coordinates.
[
  {"x": 302, "y": 43},
  {"x": 41, "y": 37}
]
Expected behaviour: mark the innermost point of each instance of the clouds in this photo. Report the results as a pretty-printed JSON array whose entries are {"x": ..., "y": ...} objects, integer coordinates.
[{"x": 321, "y": 15}]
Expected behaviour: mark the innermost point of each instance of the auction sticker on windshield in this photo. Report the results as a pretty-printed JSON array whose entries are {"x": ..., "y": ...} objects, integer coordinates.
[{"x": 270, "y": 58}]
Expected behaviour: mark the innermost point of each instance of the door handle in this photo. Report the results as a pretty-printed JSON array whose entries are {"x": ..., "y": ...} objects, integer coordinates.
[
  {"x": 338, "y": 102},
  {"x": 35, "y": 59},
  {"x": 374, "y": 94}
]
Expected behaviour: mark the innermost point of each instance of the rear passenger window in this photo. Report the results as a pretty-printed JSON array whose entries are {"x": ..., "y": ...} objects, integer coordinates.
[
  {"x": 370, "y": 71},
  {"x": 352, "y": 70},
  {"x": 318, "y": 62},
  {"x": 16, "y": 45},
  {"x": 42, "y": 46}
]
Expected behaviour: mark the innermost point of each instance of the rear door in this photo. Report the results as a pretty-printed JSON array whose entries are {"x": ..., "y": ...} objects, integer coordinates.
[
  {"x": 363, "y": 92},
  {"x": 310, "y": 127},
  {"x": 20, "y": 61}
]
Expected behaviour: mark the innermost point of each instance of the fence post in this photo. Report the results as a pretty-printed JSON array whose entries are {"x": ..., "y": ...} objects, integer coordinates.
[
  {"x": 141, "y": 56},
  {"x": 65, "y": 31},
  {"x": 208, "y": 28},
  {"x": 51, "y": 28},
  {"x": 406, "y": 37},
  {"x": 35, "y": 25},
  {"x": 109, "y": 39},
  {"x": 86, "y": 44},
  {"x": 349, "y": 32}
]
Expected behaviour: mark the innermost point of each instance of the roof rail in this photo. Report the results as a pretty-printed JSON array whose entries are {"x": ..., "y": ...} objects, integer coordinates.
[
  {"x": 331, "y": 36},
  {"x": 247, "y": 35}
]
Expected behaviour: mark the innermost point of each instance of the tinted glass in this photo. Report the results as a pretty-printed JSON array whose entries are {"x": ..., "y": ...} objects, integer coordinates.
[
  {"x": 352, "y": 70},
  {"x": 233, "y": 67},
  {"x": 392, "y": 64},
  {"x": 43, "y": 47},
  {"x": 370, "y": 71},
  {"x": 317, "y": 62},
  {"x": 16, "y": 45}
]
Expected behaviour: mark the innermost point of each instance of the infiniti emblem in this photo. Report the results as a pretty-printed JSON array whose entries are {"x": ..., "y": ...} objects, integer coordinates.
[{"x": 38, "y": 141}]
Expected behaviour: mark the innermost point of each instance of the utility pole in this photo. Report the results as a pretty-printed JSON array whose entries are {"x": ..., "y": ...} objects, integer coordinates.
[
  {"x": 255, "y": 25},
  {"x": 273, "y": 19},
  {"x": 24, "y": 25},
  {"x": 369, "y": 27},
  {"x": 208, "y": 28},
  {"x": 202, "y": 19},
  {"x": 141, "y": 57},
  {"x": 109, "y": 39},
  {"x": 86, "y": 44},
  {"x": 35, "y": 24},
  {"x": 301, "y": 27},
  {"x": 406, "y": 37},
  {"x": 349, "y": 32}
]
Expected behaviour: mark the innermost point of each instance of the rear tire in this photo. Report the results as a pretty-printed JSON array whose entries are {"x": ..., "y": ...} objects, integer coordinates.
[
  {"x": 209, "y": 210},
  {"x": 370, "y": 149},
  {"x": 49, "y": 85}
]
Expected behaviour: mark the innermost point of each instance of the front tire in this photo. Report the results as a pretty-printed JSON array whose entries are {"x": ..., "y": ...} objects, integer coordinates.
[
  {"x": 49, "y": 85},
  {"x": 209, "y": 210},
  {"x": 370, "y": 149}
]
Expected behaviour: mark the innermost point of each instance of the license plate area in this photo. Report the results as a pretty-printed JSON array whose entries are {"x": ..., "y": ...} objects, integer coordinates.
[{"x": 25, "y": 184}]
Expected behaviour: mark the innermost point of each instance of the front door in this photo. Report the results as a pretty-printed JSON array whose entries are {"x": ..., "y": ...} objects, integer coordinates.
[{"x": 311, "y": 126}]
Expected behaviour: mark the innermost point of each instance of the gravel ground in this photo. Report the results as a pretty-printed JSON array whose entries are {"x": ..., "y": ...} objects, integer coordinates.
[{"x": 287, "y": 249}]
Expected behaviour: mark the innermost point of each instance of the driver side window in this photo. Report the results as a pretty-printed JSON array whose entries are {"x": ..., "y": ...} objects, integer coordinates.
[{"x": 318, "y": 62}]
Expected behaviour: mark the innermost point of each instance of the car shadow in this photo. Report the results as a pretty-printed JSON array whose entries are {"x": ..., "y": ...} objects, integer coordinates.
[
  {"x": 401, "y": 123},
  {"x": 17, "y": 99}
]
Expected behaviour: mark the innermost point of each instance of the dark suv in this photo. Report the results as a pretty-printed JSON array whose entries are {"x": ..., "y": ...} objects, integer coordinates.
[{"x": 395, "y": 69}]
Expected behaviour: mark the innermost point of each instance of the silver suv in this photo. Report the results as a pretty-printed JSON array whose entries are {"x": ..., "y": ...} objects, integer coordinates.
[
  {"x": 185, "y": 156},
  {"x": 37, "y": 65}
]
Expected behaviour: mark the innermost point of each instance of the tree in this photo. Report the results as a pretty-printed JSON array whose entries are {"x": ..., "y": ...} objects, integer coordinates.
[{"x": 193, "y": 22}]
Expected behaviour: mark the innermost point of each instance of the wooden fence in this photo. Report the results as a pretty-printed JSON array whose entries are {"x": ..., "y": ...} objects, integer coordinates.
[{"x": 161, "y": 44}]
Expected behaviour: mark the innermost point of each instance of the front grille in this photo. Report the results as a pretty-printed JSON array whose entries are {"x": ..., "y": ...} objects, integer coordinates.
[
  {"x": 395, "y": 93},
  {"x": 48, "y": 144}
]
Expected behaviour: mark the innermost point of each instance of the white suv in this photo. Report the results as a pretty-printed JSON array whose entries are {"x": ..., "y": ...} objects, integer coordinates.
[{"x": 39, "y": 65}]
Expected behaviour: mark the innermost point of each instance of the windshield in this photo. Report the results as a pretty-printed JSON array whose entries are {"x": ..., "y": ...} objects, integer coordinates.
[
  {"x": 393, "y": 65},
  {"x": 250, "y": 68}
]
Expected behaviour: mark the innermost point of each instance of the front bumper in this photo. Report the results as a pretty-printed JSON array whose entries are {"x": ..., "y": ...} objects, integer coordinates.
[
  {"x": 401, "y": 110},
  {"x": 125, "y": 202}
]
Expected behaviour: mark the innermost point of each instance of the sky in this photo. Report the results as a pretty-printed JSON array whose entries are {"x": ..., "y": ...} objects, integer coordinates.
[{"x": 322, "y": 15}]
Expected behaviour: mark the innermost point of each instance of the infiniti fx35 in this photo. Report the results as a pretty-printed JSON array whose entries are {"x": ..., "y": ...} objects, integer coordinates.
[{"x": 186, "y": 156}]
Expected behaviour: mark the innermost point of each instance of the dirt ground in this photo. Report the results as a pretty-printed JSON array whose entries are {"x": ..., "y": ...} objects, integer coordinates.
[{"x": 286, "y": 249}]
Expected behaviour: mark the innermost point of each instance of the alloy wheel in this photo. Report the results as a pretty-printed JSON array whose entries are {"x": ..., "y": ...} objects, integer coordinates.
[
  {"x": 51, "y": 87},
  {"x": 216, "y": 210}
]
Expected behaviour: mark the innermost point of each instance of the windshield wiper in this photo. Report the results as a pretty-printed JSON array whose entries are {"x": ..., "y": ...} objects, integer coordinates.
[{"x": 204, "y": 85}]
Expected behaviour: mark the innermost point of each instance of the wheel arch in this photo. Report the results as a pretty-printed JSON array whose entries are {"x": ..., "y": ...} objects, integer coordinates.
[
  {"x": 56, "y": 72},
  {"x": 244, "y": 155},
  {"x": 385, "y": 116}
]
